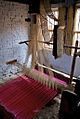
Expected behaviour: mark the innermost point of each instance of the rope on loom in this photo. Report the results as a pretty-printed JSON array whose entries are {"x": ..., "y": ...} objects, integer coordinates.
[
  {"x": 46, "y": 19},
  {"x": 48, "y": 10},
  {"x": 41, "y": 77},
  {"x": 46, "y": 35}
]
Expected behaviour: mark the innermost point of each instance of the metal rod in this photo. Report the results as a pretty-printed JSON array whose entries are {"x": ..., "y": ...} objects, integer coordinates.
[
  {"x": 66, "y": 46},
  {"x": 71, "y": 47},
  {"x": 24, "y": 42}
]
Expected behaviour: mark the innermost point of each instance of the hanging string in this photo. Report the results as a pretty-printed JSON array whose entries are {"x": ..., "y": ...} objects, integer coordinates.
[{"x": 46, "y": 19}]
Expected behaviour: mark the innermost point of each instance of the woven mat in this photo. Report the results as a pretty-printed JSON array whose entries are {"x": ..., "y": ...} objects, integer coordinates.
[{"x": 24, "y": 97}]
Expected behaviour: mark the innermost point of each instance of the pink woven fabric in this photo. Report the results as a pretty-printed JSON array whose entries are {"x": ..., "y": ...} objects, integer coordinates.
[{"x": 24, "y": 97}]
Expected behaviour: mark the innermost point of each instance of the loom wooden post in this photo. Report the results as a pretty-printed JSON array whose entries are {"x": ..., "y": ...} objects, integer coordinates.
[
  {"x": 74, "y": 61},
  {"x": 60, "y": 40},
  {"x": 33, "y": 39},
  {"x": 69, "y": 28}
]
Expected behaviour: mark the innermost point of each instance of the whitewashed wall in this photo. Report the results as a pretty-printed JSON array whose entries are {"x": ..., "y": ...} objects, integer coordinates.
[{"x": 13, "y": 29}]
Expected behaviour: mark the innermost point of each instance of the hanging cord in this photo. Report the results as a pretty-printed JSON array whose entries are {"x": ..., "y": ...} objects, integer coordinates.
[
  {"x": 46, "y": 19},
  {"x": 52, "y": 16},
  {"x": 49, "y": 12}
]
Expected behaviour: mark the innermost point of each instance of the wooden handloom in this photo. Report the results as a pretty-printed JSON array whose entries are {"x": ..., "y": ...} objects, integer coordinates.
[
  {"x": 25, "y": 96},
  {"x": 42, "y": 78},
  {"x": 34, "y": 89},
  {"x": 65, "y": 77}
]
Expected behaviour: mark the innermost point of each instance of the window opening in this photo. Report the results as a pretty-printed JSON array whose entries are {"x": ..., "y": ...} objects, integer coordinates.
[{"x": 76, "y": 32}]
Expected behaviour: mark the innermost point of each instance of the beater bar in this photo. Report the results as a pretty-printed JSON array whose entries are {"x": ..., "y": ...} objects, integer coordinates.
[{"x": 44, "y": 79}]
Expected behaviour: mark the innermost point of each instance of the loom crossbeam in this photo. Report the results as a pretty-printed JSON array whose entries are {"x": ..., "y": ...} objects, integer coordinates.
[
  {"x": 27, "y": 94},
  {"x": 24, "y": 42}
]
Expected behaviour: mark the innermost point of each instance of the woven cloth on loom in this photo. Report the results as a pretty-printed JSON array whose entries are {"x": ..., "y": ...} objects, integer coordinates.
[{"x": 24, "y": 97}]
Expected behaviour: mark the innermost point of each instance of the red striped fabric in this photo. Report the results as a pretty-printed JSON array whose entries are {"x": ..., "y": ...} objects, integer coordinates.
[{"x": 24, "y": 97}]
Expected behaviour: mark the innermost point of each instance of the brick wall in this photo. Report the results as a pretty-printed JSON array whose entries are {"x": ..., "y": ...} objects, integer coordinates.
[{"x": 13, "y": 29}]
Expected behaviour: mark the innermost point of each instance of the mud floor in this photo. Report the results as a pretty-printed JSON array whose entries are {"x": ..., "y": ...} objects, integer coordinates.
[{"x": 50, "y": 111}]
